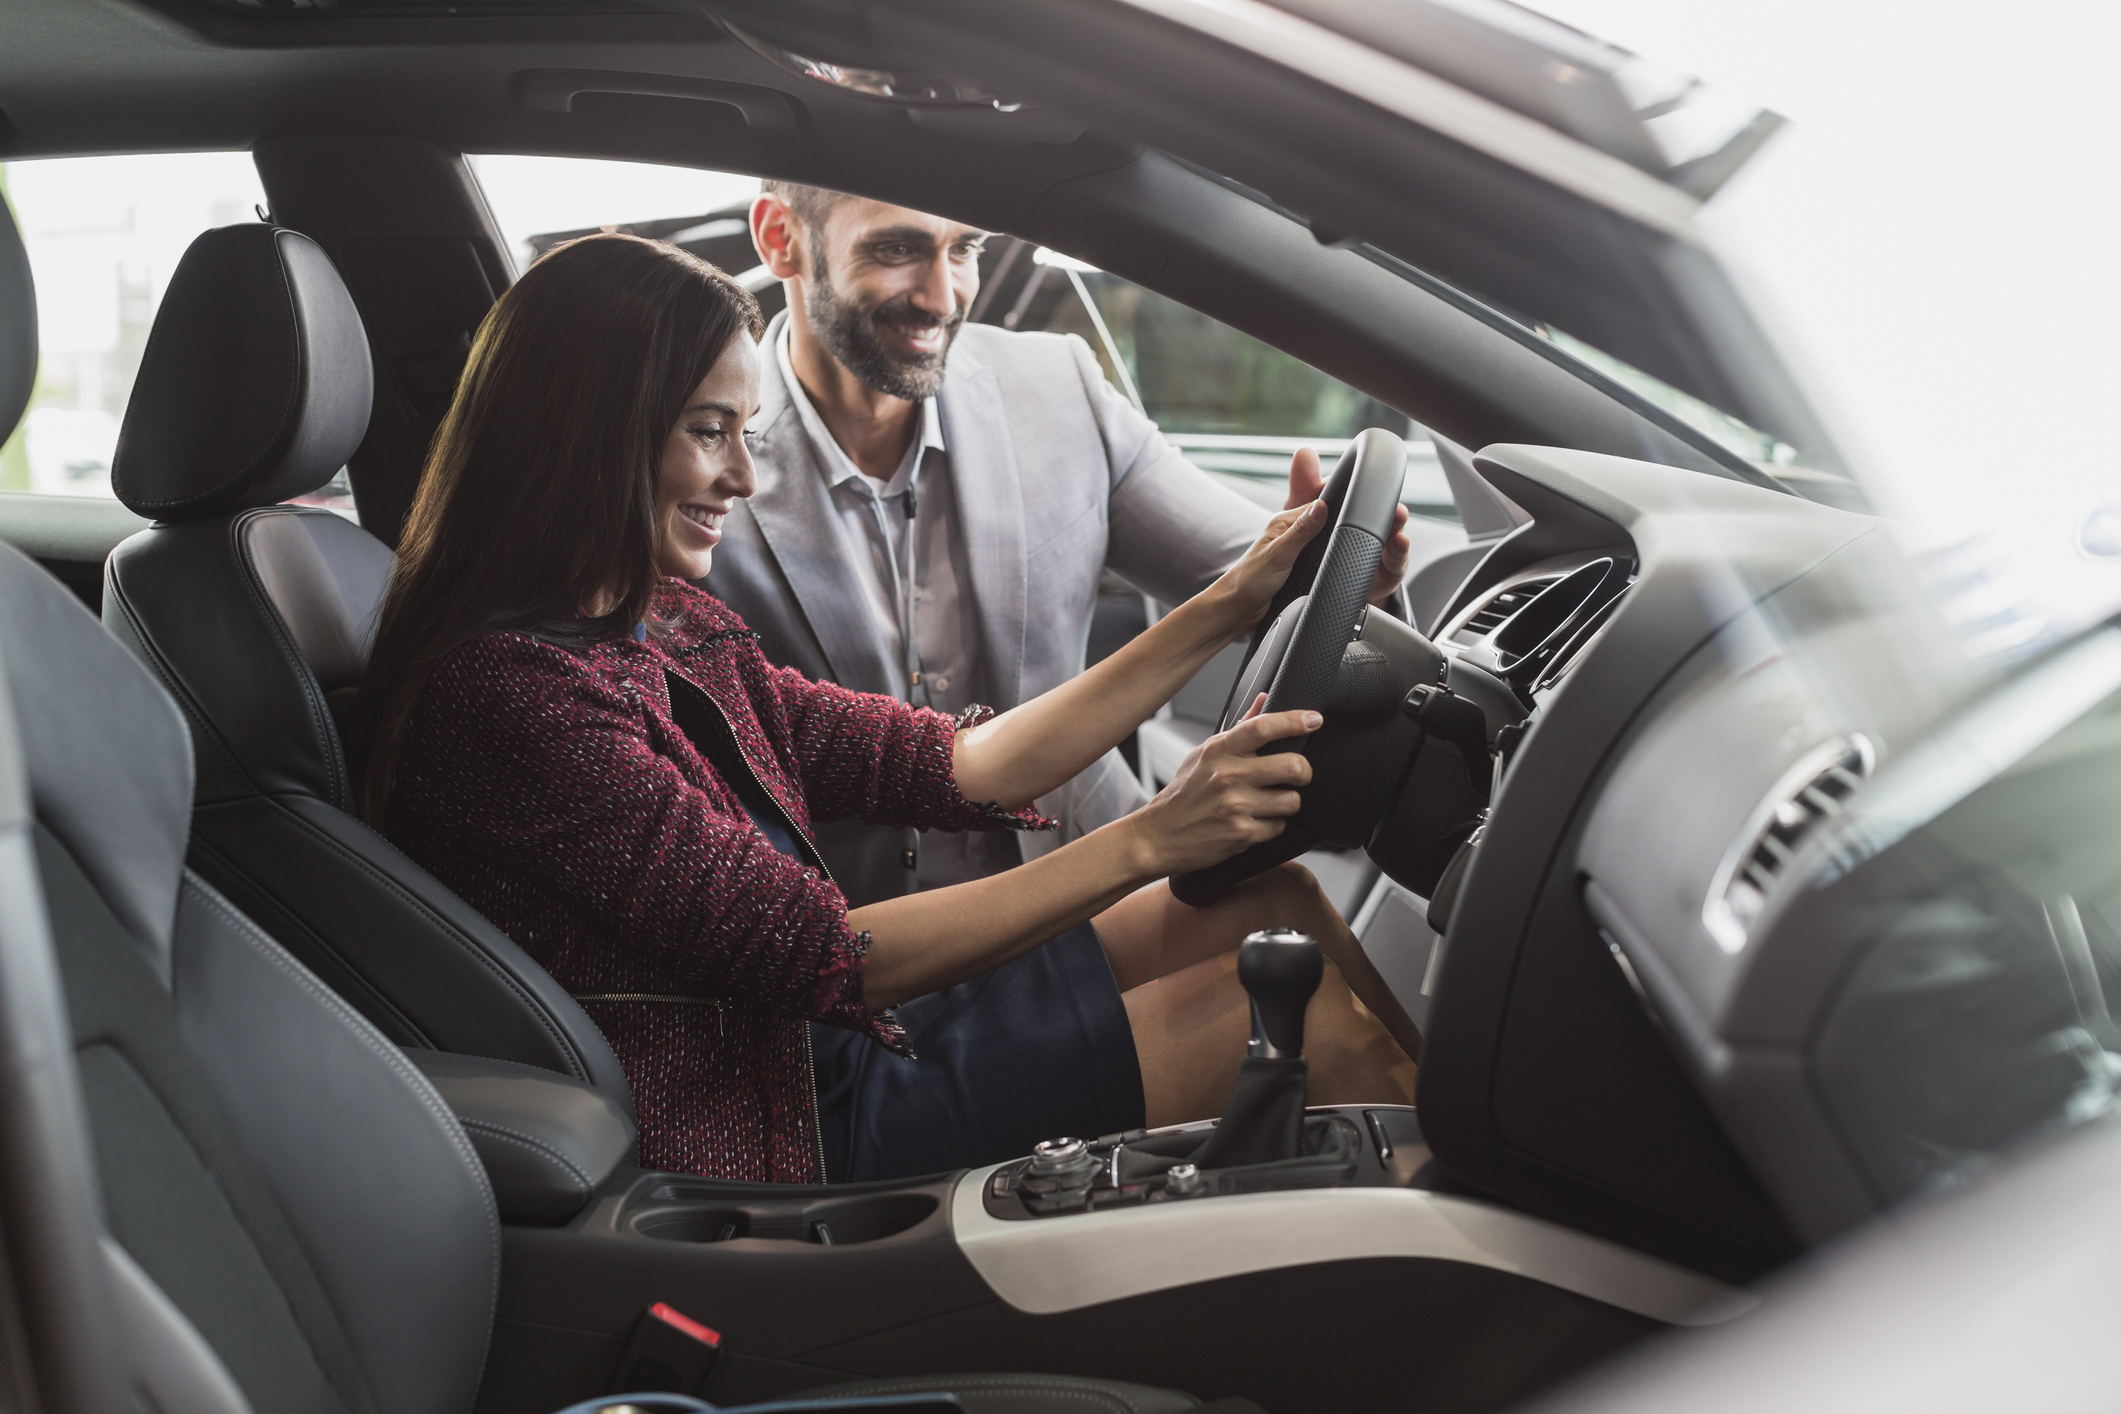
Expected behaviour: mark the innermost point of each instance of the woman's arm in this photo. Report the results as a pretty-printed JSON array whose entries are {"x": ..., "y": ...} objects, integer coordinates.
[
  {"x": 1225, "y": 798},
  {"x": 1017, "y": 757}
]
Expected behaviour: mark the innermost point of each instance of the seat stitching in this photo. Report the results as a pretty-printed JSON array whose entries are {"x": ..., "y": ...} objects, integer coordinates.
[
  {"x": 359, "y": 1025},
  {"x": 320, "y": 721},
  {"x": 423, "y": 1090},
  {"x": 194, "y": 714},
  {"x": 221, "y": 1191},
  {"x": 499, "y": 1060},
  {"x": 205, "y": 857},
  {"x": 457, "y": 936},
  {"x": 502, "y": 1132}
]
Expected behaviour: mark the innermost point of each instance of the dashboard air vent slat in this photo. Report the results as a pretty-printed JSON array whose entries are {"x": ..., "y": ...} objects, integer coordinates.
[
  {"x": 1497, "y": 611},
  {"x": 1811, "y": 793}
]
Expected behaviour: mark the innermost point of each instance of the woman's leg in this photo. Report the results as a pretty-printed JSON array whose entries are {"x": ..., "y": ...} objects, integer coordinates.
[
  {"x": 1149, "y": 934},
  {"x": 1190, "y": 1029}
]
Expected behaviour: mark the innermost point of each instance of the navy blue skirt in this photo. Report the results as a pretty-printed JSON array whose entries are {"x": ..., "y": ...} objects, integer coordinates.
[{"x": 1036, "y": 1049}]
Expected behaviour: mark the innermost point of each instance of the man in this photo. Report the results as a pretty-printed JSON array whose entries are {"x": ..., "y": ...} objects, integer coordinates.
[{"x": 937, "y": 501}]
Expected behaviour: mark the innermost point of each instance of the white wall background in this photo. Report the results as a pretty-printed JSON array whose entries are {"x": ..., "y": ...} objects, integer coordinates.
[
  {"x": 93, "y": 225},
  {"x": 1937, "y": 238}
]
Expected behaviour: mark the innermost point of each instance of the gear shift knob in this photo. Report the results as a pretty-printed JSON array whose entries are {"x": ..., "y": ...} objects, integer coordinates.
[{"x": 1281, "y": 969}]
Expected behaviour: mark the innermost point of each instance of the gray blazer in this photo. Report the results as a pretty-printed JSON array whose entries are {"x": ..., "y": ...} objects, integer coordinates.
[{"x": 1057, "y": 477}]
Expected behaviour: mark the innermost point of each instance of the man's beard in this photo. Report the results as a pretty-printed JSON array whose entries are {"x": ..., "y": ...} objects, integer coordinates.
[{"x": 854, "y": 336}]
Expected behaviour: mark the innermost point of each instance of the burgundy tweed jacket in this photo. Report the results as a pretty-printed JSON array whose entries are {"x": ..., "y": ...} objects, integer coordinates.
[{"x": 550, "y": 786}]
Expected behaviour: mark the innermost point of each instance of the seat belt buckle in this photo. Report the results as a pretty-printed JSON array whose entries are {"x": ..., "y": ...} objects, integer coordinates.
[{"x": 669, "y": 1353}]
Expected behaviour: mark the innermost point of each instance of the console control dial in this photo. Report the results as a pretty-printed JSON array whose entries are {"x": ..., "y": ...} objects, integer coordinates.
[{"x": 1059, "y": 1176}]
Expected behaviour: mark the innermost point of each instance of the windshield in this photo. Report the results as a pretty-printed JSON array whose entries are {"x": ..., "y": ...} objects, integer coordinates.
[
  {"x": 1706, "y": 418},
  {"x": 1930, "y": 240}
]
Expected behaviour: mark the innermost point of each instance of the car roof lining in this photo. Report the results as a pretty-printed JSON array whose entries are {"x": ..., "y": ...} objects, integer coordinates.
[{"x": 218, "y": 83}]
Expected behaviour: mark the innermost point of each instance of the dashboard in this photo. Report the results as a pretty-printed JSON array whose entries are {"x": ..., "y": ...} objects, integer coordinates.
[
  {"x": 1700, "y": 673},
  {"x": 1710, "y": 671}
]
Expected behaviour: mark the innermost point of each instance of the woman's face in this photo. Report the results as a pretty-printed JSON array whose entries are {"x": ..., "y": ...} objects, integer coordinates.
[{"x": 706, "y": 466}]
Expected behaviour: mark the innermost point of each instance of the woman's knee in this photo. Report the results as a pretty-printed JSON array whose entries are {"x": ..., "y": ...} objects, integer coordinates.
[
  {"x": 1345, "y": 1040},
  {"x": 1292, "y": 893}
]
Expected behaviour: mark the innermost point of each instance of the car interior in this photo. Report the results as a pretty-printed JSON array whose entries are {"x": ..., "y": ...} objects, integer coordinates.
[{"x": 1626, "y": 783}]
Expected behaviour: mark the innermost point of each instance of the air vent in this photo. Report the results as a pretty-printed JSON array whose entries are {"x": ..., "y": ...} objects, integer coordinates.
[
  {"x": 1565, "y": 657},
  {"x": 1496, "y": 612},
  {"x": 1809, "y": 794}
]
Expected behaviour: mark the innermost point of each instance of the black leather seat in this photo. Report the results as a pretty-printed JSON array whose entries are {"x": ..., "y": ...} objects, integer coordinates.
[
  {"x": 292, "y": 1219},
  {"x": 219, "y": 1184},
  {"x": 257, "y": 617}
]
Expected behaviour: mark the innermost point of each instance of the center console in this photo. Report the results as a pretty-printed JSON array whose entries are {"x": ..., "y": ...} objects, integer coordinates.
[
  {"x": 1348, "y": 1146},
  {"x": 1266, "y": 1141},
  {"x": 1197, "y": 1257}
]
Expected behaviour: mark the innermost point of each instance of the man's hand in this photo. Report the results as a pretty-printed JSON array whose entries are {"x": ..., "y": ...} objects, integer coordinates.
[{"x": 1307, "y": 480}]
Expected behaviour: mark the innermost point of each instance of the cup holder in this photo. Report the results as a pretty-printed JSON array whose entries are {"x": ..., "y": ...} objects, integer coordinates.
[
  {"x": 827, "y": 1222},
  {"x": 868, "y": 1218},
  {"x": 694, "y": 1225}
]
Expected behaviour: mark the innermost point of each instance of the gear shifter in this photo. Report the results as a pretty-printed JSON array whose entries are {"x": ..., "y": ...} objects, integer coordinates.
[
  {"x": 1263, "y": 1122},
  {"x": 1281, "y": 969}
]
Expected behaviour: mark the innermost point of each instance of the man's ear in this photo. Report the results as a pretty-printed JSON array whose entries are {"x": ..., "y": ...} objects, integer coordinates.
[{"x": 777, "y": 235}]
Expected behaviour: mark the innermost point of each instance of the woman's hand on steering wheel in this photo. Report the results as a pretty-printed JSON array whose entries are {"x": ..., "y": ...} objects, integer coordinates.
[
  {"x": 1307, "y": 481},
  {"x": 1226, "y": 796},
  {"x": 1247, "y": 587}
]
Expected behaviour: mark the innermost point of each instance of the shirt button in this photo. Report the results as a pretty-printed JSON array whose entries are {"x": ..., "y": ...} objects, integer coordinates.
[
  {"x": 940, "y": 684},
  {"x": 908, "y": 858}
]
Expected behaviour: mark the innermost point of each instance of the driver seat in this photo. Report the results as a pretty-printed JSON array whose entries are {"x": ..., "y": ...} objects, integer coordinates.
[{"x": 257, "y": 616}]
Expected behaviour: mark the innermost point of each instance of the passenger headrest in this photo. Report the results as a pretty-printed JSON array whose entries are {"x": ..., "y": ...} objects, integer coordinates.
[
  {"x": 107, "y": 752},
  {"x": 256, "y": 383},
  {"x": 18, "y": 324}
]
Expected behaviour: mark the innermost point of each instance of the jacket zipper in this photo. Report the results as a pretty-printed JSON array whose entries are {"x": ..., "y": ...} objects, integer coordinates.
[
  {"x": 817, "y": 1114},
  {"x": 729, "y": 733},
  {"x": 817, "y": 1121}
]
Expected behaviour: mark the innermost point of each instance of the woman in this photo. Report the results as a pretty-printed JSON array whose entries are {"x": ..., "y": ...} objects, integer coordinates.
[{"x": 598, "y": 757}]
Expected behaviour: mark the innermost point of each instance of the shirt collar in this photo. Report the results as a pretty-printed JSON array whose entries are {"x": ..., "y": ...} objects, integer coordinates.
[{"x": 839, "y": 467}]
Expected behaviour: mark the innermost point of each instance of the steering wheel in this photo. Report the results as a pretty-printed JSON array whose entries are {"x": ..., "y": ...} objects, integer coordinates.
[{"x": 1296, "y": 652}]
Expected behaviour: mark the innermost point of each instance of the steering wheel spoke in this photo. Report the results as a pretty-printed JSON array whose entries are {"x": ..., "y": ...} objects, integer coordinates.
[{"x": 1298, "y": 651}]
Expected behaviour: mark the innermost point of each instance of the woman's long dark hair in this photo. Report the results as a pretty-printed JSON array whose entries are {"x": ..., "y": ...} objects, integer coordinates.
[{"x": 539, "y": 495}]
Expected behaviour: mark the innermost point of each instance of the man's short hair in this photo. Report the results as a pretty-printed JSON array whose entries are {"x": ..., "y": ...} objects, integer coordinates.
[{"x": 811, "y": 205}]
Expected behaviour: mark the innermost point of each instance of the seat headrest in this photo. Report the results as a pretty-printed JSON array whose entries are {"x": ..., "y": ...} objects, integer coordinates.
[
  {"x": 107, "y": 752},
  {"x": 256, "y": 382},
  {"x": 18, "y": 324}
]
